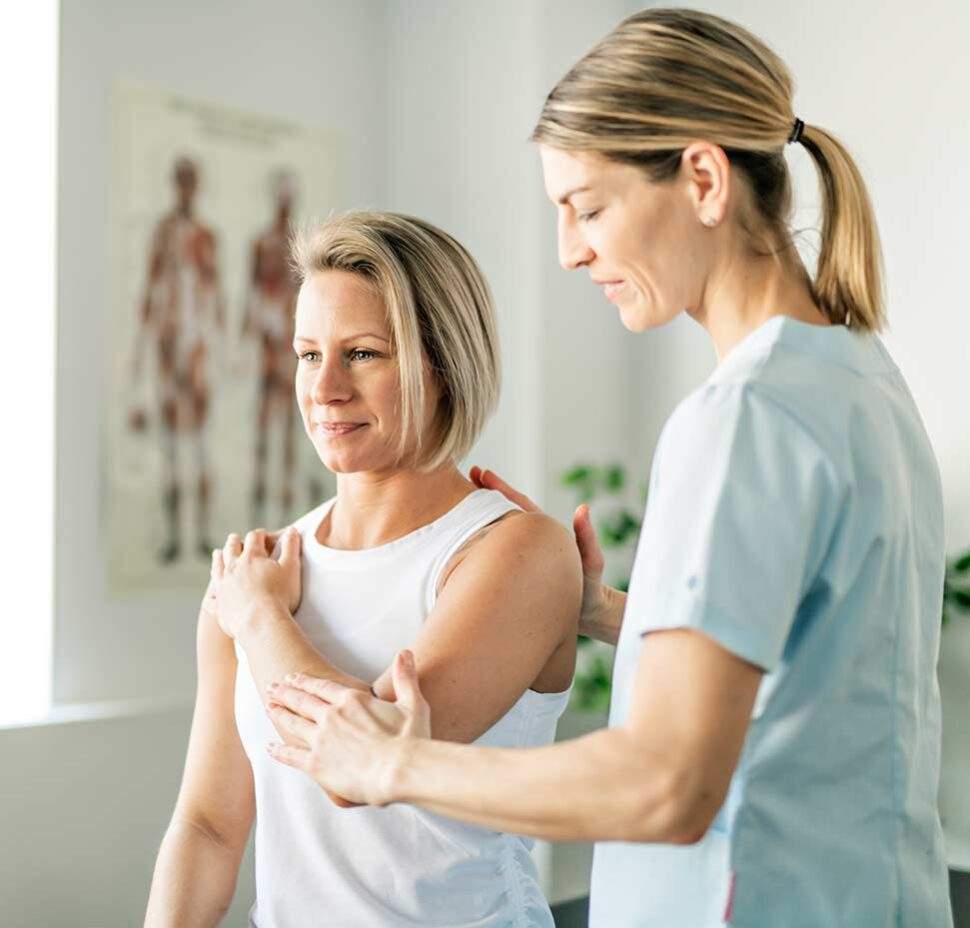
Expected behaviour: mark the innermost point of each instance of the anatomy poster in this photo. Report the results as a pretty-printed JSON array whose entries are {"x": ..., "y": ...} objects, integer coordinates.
[{"x": 202, "y": 432}]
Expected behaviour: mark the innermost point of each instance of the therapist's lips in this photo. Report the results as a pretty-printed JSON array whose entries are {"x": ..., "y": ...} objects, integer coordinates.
[{"x": 611, "y": 288}]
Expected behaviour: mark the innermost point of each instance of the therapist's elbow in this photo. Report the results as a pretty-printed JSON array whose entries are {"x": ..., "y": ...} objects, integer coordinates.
[{"x": 678, "y": 809}]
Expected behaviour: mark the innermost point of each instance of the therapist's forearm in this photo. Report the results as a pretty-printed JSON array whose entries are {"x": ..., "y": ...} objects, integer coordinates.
[
  {"x": 275, "y": 646},
  {"x": 599, "y": 787}
]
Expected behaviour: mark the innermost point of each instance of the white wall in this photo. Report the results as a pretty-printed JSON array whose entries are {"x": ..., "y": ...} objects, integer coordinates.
[{"x": 468, "y": 83}]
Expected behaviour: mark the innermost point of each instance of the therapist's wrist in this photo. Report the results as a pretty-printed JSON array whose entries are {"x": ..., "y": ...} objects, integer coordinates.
[
  {"x": 603, "y": 623},
  {"x": 403, "y": 759}
]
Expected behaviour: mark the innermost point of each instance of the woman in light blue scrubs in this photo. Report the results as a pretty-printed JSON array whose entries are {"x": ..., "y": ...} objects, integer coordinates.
[{"x": 773, "y": 751}]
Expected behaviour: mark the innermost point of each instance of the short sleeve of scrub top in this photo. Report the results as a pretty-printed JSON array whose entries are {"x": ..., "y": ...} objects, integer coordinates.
[{"x": 739, "y": 513}]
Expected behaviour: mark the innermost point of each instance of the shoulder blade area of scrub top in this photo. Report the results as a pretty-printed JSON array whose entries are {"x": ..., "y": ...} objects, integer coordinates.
[{"x": 795, "y": 516}]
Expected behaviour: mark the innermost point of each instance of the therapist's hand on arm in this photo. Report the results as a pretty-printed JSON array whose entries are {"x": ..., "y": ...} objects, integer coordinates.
[
  {"x": 602, "y": 609},
  {"x": 662, "y": 777}
]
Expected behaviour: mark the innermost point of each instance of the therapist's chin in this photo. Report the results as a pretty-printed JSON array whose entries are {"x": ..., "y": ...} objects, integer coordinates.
[{"x": 639, "y": 316}]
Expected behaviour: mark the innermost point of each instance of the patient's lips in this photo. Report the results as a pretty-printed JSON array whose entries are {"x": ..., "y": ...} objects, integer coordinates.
[{"x": 339, "y": 429}]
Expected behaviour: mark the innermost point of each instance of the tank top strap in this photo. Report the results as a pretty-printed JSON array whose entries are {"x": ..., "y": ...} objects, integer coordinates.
[{"x": 478, "y": 509}]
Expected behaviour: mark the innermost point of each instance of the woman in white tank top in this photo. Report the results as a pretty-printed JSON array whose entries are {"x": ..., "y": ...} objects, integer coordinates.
[{"x": 398, "y": 371}]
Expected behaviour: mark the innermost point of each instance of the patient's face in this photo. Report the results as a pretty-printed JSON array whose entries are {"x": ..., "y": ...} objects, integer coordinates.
[{"x": 347, "y": 384}]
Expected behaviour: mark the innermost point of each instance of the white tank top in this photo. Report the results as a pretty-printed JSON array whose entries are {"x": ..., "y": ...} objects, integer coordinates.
[{"x": 398, "y": 866}]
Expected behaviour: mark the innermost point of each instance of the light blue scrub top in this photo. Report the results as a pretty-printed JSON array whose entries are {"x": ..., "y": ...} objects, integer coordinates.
[{"x": 795, "y": 516}]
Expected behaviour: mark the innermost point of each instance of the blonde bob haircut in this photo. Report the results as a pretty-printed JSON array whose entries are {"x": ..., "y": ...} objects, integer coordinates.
[
  {"x": 439, "y": 309},
  {"x": 664, "y": 78}
]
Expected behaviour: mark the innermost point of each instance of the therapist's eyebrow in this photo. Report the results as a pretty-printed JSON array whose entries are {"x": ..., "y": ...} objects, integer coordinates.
[{"x": 564, "y": 199}]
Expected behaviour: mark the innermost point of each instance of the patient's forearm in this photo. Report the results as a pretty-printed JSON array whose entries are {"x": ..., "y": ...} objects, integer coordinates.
[
  {"x": 275, "y": 646},
  {"x": 194, "y": 881}
]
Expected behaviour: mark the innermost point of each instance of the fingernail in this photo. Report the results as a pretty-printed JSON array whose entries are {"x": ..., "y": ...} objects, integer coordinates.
[{"x": 291, "y": 677}]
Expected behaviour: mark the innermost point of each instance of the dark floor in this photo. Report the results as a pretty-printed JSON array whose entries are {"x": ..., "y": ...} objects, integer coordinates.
[{"x": 574, "y": 914}]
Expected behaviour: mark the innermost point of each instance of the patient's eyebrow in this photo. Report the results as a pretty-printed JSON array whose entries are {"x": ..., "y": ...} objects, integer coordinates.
[{"x": 349, "y": 338}]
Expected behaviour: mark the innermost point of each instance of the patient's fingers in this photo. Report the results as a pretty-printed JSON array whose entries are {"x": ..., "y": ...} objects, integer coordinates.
[
  {"x": 271, "y": 539},
  {"x": 255, "y": 542},
  {"x": 232, "y": 549},
  {"x": 290, "y": 550}
]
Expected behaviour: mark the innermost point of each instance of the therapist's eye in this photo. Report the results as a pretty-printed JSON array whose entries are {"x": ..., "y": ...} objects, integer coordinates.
[{"x": 589, "y": 215}]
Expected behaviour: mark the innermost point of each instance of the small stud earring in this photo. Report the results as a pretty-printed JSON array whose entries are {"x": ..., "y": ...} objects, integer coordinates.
[{"x": 710, "y": 222}]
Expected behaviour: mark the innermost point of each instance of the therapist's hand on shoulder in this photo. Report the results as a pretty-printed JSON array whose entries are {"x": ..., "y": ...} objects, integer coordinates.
[
  {"x": 245, "y": 579},
  {"x": 599, "y": 600},
  {"x": 356, "y": 742}
]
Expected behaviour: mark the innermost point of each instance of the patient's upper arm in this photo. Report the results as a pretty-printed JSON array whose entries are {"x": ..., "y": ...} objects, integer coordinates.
[{"x": 504, "y": 610}]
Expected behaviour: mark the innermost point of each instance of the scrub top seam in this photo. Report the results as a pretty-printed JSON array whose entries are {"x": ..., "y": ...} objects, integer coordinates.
[{"x": 894, "y": 773}]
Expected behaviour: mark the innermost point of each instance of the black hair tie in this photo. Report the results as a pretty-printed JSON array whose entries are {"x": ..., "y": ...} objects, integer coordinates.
[{"x": 796, "y": 132}]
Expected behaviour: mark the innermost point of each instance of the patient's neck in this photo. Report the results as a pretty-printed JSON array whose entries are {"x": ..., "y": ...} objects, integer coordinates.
[{"x": 373, "y": 509}]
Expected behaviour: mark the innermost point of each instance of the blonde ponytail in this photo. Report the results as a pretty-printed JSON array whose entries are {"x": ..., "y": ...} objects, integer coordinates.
[{"x": 848, "y": 279}]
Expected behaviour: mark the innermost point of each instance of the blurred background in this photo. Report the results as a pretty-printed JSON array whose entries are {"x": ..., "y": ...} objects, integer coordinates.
[{"x": 419, "y": 106}]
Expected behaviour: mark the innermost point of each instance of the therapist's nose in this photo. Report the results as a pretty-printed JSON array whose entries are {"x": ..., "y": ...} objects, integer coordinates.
[{"x": 573, "y": 250}]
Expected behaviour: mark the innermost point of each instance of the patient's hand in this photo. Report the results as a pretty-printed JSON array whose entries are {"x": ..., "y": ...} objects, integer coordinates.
[{"x": 249, "y": 581}]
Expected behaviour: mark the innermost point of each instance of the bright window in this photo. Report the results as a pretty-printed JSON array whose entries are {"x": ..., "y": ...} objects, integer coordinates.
[{"x": 28, "y": 102}]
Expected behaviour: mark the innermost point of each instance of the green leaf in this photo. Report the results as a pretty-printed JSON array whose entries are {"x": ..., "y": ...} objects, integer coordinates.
[
  {"x": 960, "y": 598},
  {"x": 962, "y": 564},
  {"x": 582, "y": 479},
  {"x": 591, "y": 690},
  {"x": 582, "y": 473},
  {"x": 614, "y": 478},
  {"x": 617, "y": 529}
]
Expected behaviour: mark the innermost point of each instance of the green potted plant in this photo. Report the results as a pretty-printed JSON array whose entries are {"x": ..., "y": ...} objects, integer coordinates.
[
  {"x": 956, "y": 586},
  {"x": 617, "y": 528}
]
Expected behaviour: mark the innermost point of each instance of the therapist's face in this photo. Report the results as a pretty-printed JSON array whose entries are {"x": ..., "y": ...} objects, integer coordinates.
[{"x": 645, "y": 244}]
